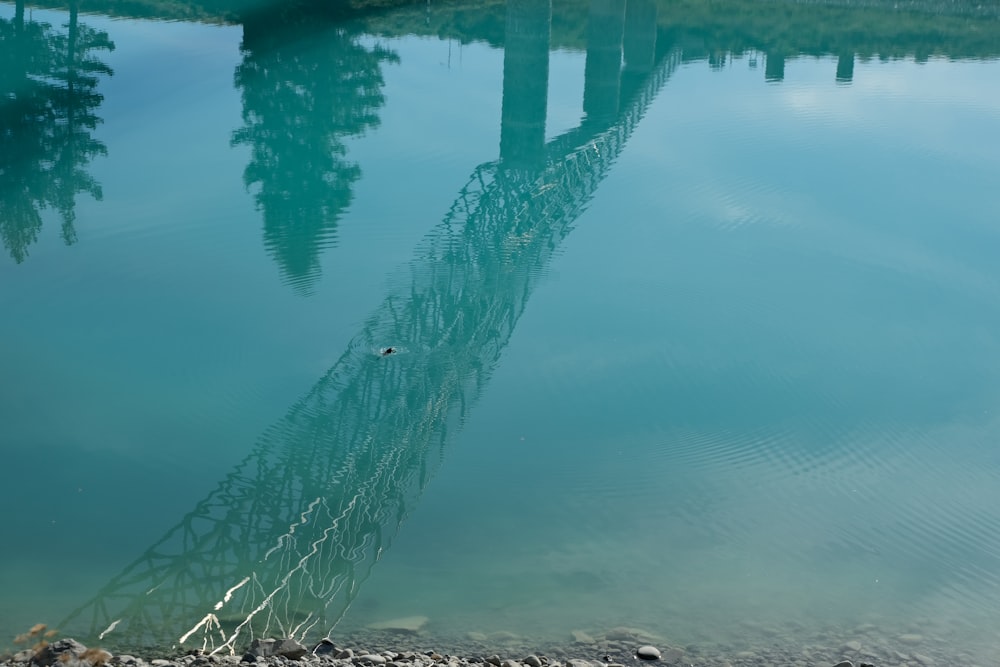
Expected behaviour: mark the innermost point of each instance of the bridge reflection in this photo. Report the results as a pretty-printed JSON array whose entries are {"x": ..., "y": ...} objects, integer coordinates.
[
  {"x": 299, "y": 171},
  {"x": 283, "y": 544}
]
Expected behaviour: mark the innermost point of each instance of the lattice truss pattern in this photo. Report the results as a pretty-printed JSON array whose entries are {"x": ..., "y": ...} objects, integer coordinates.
[{"x": 282, "y": 545}]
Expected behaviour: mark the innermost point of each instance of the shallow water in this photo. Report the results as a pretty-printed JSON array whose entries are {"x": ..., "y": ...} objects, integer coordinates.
[{"x": 697, "y": 329}]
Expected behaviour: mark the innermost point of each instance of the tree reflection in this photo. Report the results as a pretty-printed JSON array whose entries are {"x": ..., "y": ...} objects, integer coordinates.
[
  {"x": 48, "y": 82},
  {"x": 306, "y": 88}
]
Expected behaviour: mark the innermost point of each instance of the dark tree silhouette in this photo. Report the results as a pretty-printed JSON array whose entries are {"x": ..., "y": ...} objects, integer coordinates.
[
  {"x": 307, "y": 85},
  {"x": 75, "y": 101},
  {"x": 25, "y": 120},
  {"x": 48, "y": 104}
]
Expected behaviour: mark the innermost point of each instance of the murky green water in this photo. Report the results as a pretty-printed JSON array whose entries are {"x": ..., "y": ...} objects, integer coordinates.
[{"x": 532, "y": 319}]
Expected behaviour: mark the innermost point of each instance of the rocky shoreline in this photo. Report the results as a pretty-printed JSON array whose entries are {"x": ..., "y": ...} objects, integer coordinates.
[{"x": 620, "y": 647}]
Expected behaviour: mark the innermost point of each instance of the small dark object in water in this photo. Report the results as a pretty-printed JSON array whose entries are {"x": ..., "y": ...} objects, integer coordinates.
[{"x": 386, "y": 351}]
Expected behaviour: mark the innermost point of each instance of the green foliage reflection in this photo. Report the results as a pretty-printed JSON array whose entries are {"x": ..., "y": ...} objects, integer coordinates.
[
  {"x": 306, "y": 87},
  {"x": 48, "y": 87}
]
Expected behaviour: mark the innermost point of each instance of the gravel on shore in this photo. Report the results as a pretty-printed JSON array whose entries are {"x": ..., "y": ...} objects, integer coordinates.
[{"x": 286, "y": 652}]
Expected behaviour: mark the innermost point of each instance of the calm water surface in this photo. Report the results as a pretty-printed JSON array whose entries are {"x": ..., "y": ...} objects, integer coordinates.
[{"x": 694, "y": 321}]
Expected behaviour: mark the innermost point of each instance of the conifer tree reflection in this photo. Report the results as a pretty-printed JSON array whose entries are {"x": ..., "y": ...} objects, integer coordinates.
[
  {"x": 24, "y": 118},
  {"x": 48, "y": 82},
  {"x": 306, "y": 88},
  {"x": 75, "y": 101}
]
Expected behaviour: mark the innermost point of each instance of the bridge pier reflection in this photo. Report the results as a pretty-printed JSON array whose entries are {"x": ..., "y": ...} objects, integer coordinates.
[
  {"x": 525, "y": 80},
  {"x": 774, "y": 66},
  {"x": 603, "y": 68},
  {"x": 845, "y": 68},
  {"x": 639, "y": 45}
]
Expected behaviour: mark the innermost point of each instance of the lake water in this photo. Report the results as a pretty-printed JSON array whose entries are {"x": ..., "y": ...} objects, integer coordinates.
[{"x": 527, "y": 319}]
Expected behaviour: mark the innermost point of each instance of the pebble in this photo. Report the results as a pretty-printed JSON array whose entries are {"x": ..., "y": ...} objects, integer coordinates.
[
  {"x": 371, "y": 659},
  {"x": 532, "y": 661},
  {"x": 325, "y": 647},
  {"x": 648, "y": 653},
  {"x": 911, "y": 638},
  {"x": 844, "y": 663},
  {"x": 581, "y": 637}
]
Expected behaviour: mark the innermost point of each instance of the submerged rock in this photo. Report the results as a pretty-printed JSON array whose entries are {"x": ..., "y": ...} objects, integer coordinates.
[
  {"x": 405, "y": 624},
  {"x": 325, "y": 647},
  {"x": 621, "y": 633},
  {"x": 262, "y": 648},
  {"x": 286, "y": 648},
  {"x": 291, "y": 649},
  {"x": 95, "y": 657},
  {"x": 70, "y": 648}
]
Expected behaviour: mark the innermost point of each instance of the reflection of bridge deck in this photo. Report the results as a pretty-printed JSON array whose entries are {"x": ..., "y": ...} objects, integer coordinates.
[{"x": 281, "y": 546}]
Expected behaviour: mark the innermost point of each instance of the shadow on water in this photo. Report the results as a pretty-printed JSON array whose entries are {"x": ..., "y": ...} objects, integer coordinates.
[
  {"x": 283, "y": 544},
  {"x": 48, "y": 81},
  {"x": 306, "y": 85}
]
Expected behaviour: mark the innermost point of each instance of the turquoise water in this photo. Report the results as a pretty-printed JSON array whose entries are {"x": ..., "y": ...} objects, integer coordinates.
[{"x": 693, "y": 315}]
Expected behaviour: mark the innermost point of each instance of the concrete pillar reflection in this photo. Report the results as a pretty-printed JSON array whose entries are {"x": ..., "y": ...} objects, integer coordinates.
[
  {"x": 603, "y": 69},
  {"x": 774, "y": 67},
  {"x": 639, "y": 46},
  {"x": 640, "y": 36},
  {"x": 525, "y": 80},
  {"x": 845, "y": 68}
]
